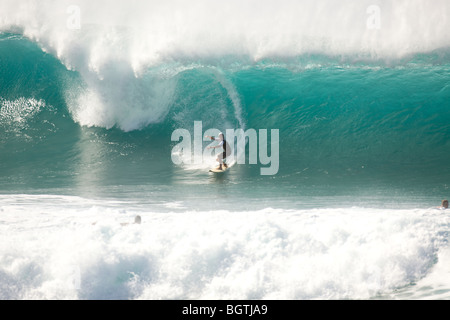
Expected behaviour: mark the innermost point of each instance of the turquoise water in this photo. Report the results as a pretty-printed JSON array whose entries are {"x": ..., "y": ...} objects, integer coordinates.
[
  {"x": 346, "y": 129},
  {"x": 86, "y": 118}
]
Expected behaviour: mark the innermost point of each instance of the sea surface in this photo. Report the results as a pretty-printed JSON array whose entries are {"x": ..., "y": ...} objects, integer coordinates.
[{"x": 90, "y": 94}]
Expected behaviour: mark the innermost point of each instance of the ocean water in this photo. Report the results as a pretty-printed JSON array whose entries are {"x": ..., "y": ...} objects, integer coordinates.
[{"x": 90, "y": 94}]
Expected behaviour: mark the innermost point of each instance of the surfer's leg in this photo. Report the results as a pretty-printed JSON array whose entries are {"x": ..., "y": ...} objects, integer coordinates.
[
  {"x": 220, "y": 159},
  {"x": 225, "y": 156}
]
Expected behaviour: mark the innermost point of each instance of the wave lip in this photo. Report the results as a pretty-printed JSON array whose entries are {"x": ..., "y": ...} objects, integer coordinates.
[{"x": 144, "y": 32}]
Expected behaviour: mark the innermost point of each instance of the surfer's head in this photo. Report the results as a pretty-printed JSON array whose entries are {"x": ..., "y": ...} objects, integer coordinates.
[
  {"x": 221, "y": 136},
  {"x": 137, "y": 220},
  {"x": 445, "y": 204}
]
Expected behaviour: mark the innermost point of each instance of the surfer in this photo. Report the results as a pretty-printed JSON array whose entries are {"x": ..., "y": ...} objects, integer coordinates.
[
  {"x": 226, "y": 150},
  {"x": 444, "y": 204}
]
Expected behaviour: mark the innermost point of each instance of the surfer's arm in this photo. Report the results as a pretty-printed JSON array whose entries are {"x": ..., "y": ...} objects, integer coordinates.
[
  {"x": 212, "y": 138},
  {"x": 220, "y": 145}
]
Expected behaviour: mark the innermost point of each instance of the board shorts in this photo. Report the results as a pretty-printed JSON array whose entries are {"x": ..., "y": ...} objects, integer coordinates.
[{"x": 225, "y": 154}]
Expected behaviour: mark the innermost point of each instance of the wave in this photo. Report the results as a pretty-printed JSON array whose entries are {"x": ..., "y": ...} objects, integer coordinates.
[
  {"x": 359, "y": 116},
  {"x": 127, "y": 56},
  {"x": 349, "y": 101}
]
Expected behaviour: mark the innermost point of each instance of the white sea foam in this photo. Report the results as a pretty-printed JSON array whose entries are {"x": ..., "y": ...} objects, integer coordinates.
[
  {"x": 15, "y": 114},
  {"x": 174, "y": 28},
  {"x": 56, "y": 247}
]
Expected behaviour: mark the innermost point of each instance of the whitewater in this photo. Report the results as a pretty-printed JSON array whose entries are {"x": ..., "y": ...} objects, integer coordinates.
[
  {"x": 83, "y": 252},
  {"x": 91, "y": 92}
]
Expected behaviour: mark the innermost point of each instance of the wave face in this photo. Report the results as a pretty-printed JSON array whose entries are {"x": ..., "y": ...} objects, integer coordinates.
[{"x": 339, "y": 120}]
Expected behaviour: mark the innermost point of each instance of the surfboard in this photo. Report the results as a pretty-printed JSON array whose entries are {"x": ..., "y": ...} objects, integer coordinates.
[{"x": 216, "y": 170}]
